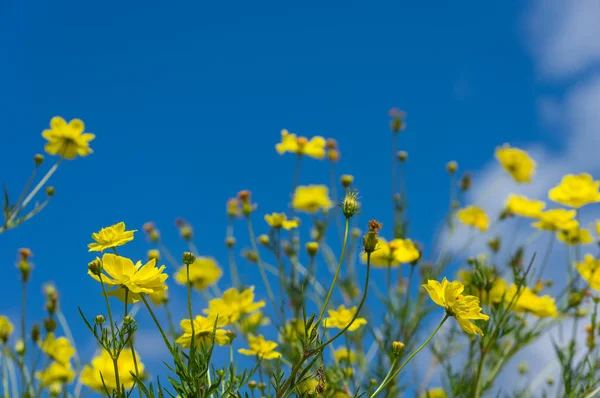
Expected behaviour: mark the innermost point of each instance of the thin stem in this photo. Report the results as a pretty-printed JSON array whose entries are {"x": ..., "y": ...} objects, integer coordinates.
[
  {"x": 4, "y": 371},
  {"x": 235, "y": 279},
  {"x": 189, "y": 304},
  {"x": 23, "y": 331},
  {"x": 160, "y": 329}
]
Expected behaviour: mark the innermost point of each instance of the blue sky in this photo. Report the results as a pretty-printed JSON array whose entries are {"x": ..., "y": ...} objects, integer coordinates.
[{"x": 187, "y": 101}]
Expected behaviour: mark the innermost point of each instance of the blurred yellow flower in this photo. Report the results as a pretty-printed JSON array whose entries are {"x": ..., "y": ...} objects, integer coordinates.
[
  {"x": 598, "y": 228},
  {"x": 112, "y": 236},
  {"x": 315, "y": 148},
  {"x": 516, "y": 162},
  {"x": 524, "y": 207},
  {"x": 121, "y": 273},
  {"x": 341, "y": 317},
  {"x": 525, "y": 302},
  {"x": 556, "y": 220},
  {"x": 252, "y": 322},
  {"x": 233, "y": 304},
  {"x": 345, "y": 355},
  {"x": 576, "y": 190},
  {"x": 474, "y": 216},
  {"x": 103, "y": 364},
  {"x": 589, "y": 269},
  {"x": 160, "y": 297},
  {"x": 434, "y": 393},
  {"x": 6, "y": 328},
  {"x": 293, "y": 328},
  {"x": 204, "y": 272},
  {"x": 311, "y": 198},
  {"x": 59, "y": 349},
  {"x": 394, "y": 253},
  {"x": 575, "y": 236},
  {"x": 67, "y": 140},
  {"x": 463, "y": 308},
  {"x": 233, "y": 208},
  {"x": 56, "y": 373},
  {"x": 203, "y": 330},
  {"x": 260, "y": 347},
  {"x": 279, "y": 220}
]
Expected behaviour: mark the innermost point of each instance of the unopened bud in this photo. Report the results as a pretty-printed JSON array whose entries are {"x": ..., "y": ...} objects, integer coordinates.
[
  {"x": 230, "y": 335},
  {"x": 252, "y": 385},
  {"x": 38, "y": 159},
  {"x": 35, "y": 333},
  {"x": 523, "y": 368},
  {"x": 355, "y": 232},
  {"x": 397, "y": 123},
  {"x": 331, "y": 143},
  {"x": 188, "y": 258},
  {"x": 20, "y": 347},
  {"x": 402, "y": 156},
  {"x": 451, "y": 167},
  {"x": 333, "y": 155},
  {"x": 465, "y": 182},
  {"x": 49, "y": 325},
  {"x": 99, "y": 320},
  {"x": 250, "y": 255},
  {"x": 494, "y": 244},
  {"x": 95, "y": 267},
  {"x": 347, "y": 180},
  {"x": 186, "y": 232},
  {"x": 262, "y": 386},
  {"x": 128, "y": 320},
  {"x": 230, "y": 242},
  {"x": 312, "y": 248},
  {"x": 350, "y": 205},
  {"x": 397, "y": 347},
  {"x": 264, "y": 240},
  {"x": 154, "y": 235},
  {"x": 550, "y": 381},
  {"x": 153, "y": 254},
  {"x": 50, "y": 191}
]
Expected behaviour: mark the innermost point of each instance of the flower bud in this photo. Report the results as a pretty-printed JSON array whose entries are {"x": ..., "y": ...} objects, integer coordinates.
[
  {"x": 402, "y": 156},
  {"x": 186, "y": 232},
  {"x": 230, "y": 242},
  {"x": 50, "y": 191},
  {"x": 35, "y": 333},
  {"x": 99, "y": 320},
  {"x": 154, "y": 235},
  {"x": 95, "y": 267},
  {"x": 49, "y": 325},
  {"x": 550, "y": 381},
  {"x": 331, "y": 143},
  {"x": 128, "y": 320},
  {"x": 153, "y": 254},
  {"x": 465, "y": 182},
  {"x": 20, "y": 347},
  {"x": 38, "y": 159},
  {"x": 370, "y": 239},
  {"x": 250, "y": 256},
  {"x": 230, "y": 335},
  {"x": 312, "y": 248},
  {"x": 333, "y": 155},
  {"x": 148, "y": 227},
  {"x": 494, "y": 244},
  {"x": 397, "y": 123},
  {"x": 451, "y": 167},
  {"x": 523, "y": 368},
  {"x": 288, "y": 248},
  {"x": 188, "y": 258},
  {"x": 350, "y": 205},
  {"x": 252, "y": 385},
  {"x": 262, "y": 386},
  {"x": 397, "y": 347},
  {"x": 347, "y": 180},
  {"x": 355, "y": 232},
  {"x": 264, "y": 240}
]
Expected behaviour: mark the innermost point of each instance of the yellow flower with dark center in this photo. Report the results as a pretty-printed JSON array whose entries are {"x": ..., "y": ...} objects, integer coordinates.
[
  {"x": 576, "y": 190},
  {"x": 434, "y": 393},
  {"x": 462, "y": 308},
  {"x": 109, "y": 237},
  {"x": 203, "y": 331},
  {"x": 314, "y": 148},
  {"x": 279, "y": 220},
  {"x": 103, "y": 364},
  {"x": 135, "y": 279},
  {"x": 475, "y": 217},
  {"x": 260, "y": 347},
  {"x": 345, "y": 355},
  {"x": 59, "y": 349},
  {"x": 524, "y": 207},
  {"x": 67, "y": 140},
  {"x": 6, "y": 328},
  {"x": 589, "y": 269},
  {"x": 233, "y": 304},
  {"x": 311, "y": 198},
  {"x": 556, "y": 220},
  {"x": 341, "y": 317},
  {"x": 526, "y": 301},
  {"x": 204, "y": 272},
  {"x": 575, "y": 236},
  {"x": 393, "y": 253},
  {"x": 56, "y": 373},
  {"x": 516, "y": 162}
]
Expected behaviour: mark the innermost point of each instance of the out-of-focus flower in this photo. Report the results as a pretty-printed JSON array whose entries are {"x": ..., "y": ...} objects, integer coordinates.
[
  {"x": 526, "y": 301},
  {"x": 314, "y": 148},
  {"x": 6, "y": 328},
  {"x": 589, "y": 269},
  {"x": 434, "y": 393},
  {"x": 393, "y": 253},
  {"x": 160, "y": 297},
  {"x": 575, "y": 236},
  {"x": 397, "y": 123},
  {"x": 204, "y": 272},
  {"x": 279, "y": 220},
  {"x": 233, "y": 304},
  {"x": 341, "y": 317},
  {"x": 556, "y": 220},
  {"x": 110, "y": 237},
  {"x": 252, "y": 322},
  {"x": 56, "y": 373},
  {"x": 474, "y": 216},
  {"x": 311, "y": 198},
  {"x": 233, "y": 208},
  {"x": 516, "y": 162},
  {"x": 59, "y": 349},
  {"x": 67, "y": 140},
  {"x": 463, "y": 308},
  {"x": 524, "y": 207},
  {"x": 103, "y": 364},
  {"x": 260, "y": 347},
  {"x": 203, "y": 331},
  {"x": 576, "y": 190},
  {"x": 345, "y": 355}
]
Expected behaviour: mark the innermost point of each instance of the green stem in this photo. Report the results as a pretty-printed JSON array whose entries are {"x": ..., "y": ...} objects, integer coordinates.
[
  {"x": 235, "y": 279},
  {"x": 23, "y": 331},
  {"x": 160, "y": 329},
  {"x": 113, "y": 355},
  {"x": 4, "y": 370},
  {"x": 189, "y": 305}
]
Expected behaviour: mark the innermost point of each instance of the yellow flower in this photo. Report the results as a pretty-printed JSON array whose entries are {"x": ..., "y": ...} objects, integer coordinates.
[
  {"x": 67, "y": 140},
  {"x": 556, "y": 219},
  {"x": 524, "y": 207},
  {"x": 311, "y": 198},
  {"x": 59, "y": 349},
  {"x": 576, "y": 190},
  {"x": 345, "y": 355},
  {"x": 394, "y": 253},
  {"x": 279, "y": 220},
  {"x": 598, "y": 228},
  {"x": 103, "y": 364},
  {"x": 575, "y": 236},
  {"x": 121, "y": 273},
  {"x": 233, "y": 304},
  {"x": 6, "y": 328},
  {"x": 112, "y": 236},
  {"x": 315, "y": 148},
  {"x": 204, "y": 272},
  {"x": 293, "y": 328},
  {"x": 341, "y": 317},
  {"x": 525, "y": 302},
  {"x": 160, "y": 297},
  {"x": 56, "y": 373},
  {"x": 203, "y": 330},
  {"x": 475, "y": 217},
  {"x": 265, "y": 349},
  {"x": 516, "y": 162},
  {"x": 252, "y": 322},
  {"x": 463, "y": 308},
  {"x": 589, "y": 269},
  {"x": 434, "y": 393}
]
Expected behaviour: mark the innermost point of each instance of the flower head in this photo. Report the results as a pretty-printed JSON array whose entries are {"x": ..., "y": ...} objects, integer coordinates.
[
  {"x": 130, "y": 279},
  {"x": 109, "y": 237},
  {"x": 314, "y": 148},
  {"x": 463, "y": 308},
  {"x": 260, "y": 347},
  {"x": 59, "y": 349},
  {"x": 233, "y": 304},
  {"x": 311, "y": 198},
  {"x": 474, "y": 216},
  {"x": 102, "y": 372},
  {"x": 67, "y": 140},
  {"x": 343, "y": 354},
  {"x": 203, "y": 330},
  {"x": 523, "y": 299},
  {"x": 524, "y": 207},
  {"x": 279, "y": 220},
  {"x": 516, "y": 162},
  {"x": 434, "y": 393},
  {"x": 6, "y": 328},
  {"x": 575, "y": 236},
  {"x": 392, "y": 254},
  {"x": 56, "y": 373},
  {"x": 204, "y": 272},
  {"x": 589, "y": 269},
  {"x": 556, "y": 220},
  {"x": 576, "y": 190},
  {"x": 341, "y": 317}
]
